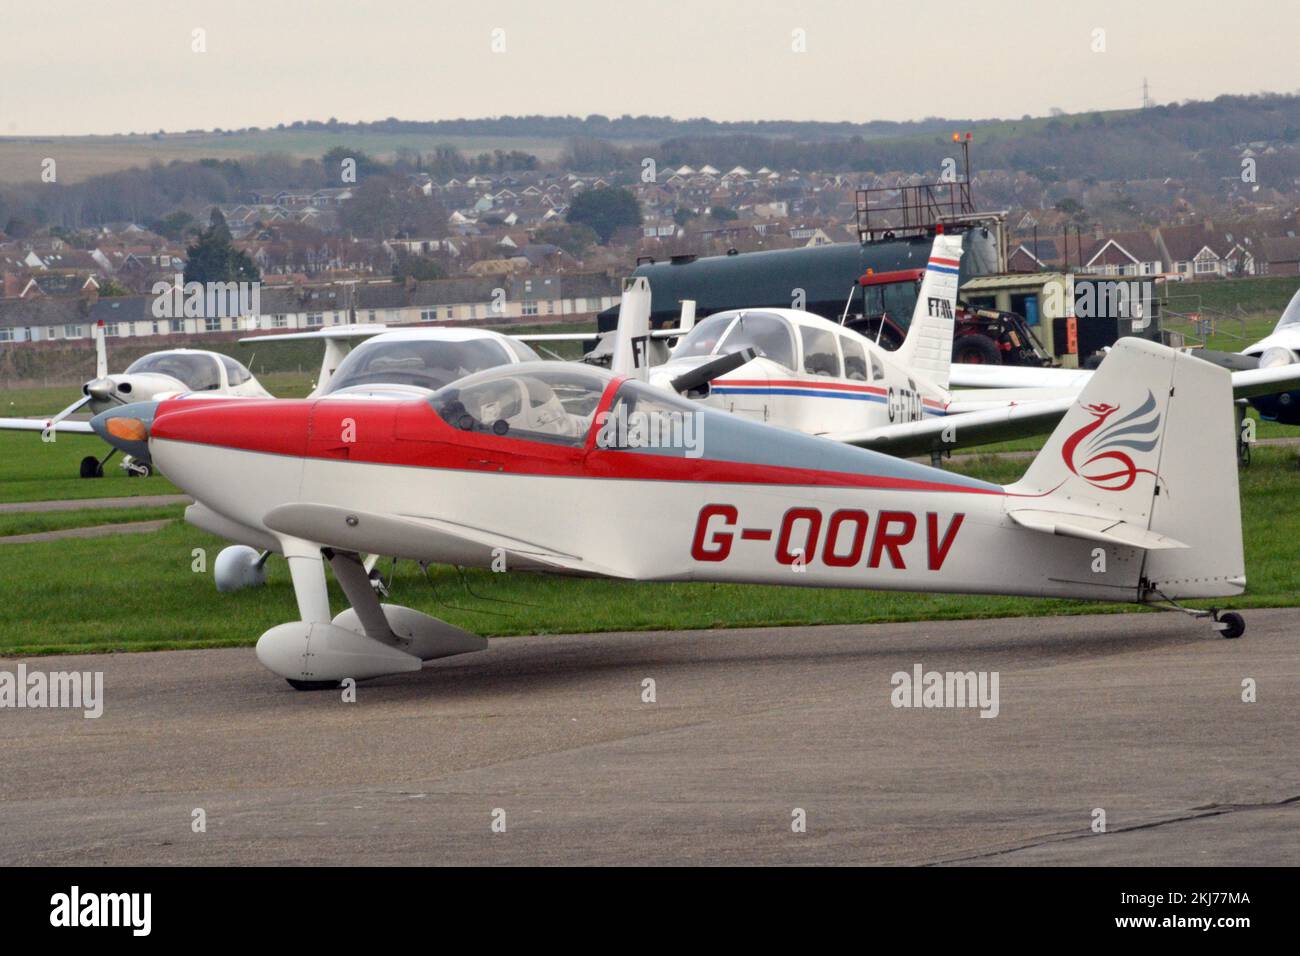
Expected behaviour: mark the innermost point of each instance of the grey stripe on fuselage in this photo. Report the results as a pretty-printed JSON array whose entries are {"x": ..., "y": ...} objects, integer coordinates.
[{"x": 727, "y": 437}]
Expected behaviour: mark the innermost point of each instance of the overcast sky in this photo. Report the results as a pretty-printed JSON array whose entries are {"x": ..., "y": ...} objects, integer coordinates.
[{"x": 105, "y": 66}]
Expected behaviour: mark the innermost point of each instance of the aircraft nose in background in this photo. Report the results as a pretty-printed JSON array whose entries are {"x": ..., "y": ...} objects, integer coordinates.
[{"x": 127, "y": 428}]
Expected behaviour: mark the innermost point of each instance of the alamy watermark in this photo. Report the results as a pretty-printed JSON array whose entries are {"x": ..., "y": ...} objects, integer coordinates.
[
  {"x": 133, "y": 911},
  {"x": 205, "y": 300},
  {"x": 657, "y": 429},
  {"x": 922, "y": 688},
  {"x": 76, "y": 690}
]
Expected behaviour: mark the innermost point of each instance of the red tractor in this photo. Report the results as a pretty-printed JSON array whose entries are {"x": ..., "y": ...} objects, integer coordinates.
[{"x": 981, "y": 336}]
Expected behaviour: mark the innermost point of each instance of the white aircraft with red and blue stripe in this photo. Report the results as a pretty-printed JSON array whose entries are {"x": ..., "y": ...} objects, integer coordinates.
[{"x": 809, "y": 374}]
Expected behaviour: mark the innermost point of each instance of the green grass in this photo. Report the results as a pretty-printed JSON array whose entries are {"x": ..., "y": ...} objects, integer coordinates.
[
  {"x": 33, "y": 470},
  {"x": 67, "y": 596},
  {"x": 35, "y": 522},
  {"x": 1263, "y": 295}
]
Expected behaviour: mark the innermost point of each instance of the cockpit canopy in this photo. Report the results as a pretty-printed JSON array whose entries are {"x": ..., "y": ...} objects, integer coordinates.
[
  {"x": 422, "y": 363},
  {"x": 540, "y": 401},
  {"x": 198, "y": 371},
  {"x": 726, "y": 332}
]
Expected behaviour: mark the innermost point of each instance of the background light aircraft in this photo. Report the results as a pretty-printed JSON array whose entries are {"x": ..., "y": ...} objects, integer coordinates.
[
  {"x": 1139, "y": 468},
  {"x": 1275, "y": 351},
  {"x": 155, "y": 376},
  {"x": 1267, "y": 373}
]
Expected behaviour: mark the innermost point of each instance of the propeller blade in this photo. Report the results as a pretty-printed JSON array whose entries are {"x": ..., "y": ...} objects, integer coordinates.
[
  {"x": 101, "y": 351},
  {"x": 703, "y": 374},
  {"x": 67, "y": 411}
]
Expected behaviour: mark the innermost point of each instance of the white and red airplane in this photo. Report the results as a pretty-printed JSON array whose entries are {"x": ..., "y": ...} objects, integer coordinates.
[{"x": 1133, "y": 498}]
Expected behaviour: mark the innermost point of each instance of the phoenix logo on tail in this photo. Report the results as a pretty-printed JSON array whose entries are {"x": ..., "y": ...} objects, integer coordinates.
[{"x": 1101, "y": 443}]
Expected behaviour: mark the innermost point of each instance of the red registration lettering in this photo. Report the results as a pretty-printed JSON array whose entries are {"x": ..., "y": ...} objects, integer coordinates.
[
  {"x": 859, "y": 519},
  {"x": 939, "y": 555},
  {"x": 885, "y": 540},
  {"x": 721, "y": 540},
  {"x": 814, "y": 519}
]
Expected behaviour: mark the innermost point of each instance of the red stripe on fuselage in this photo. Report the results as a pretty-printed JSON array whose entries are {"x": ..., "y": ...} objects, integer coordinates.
[{"x": 411, "y": 434}]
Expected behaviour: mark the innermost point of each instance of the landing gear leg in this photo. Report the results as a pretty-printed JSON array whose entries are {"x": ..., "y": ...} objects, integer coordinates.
[
  {"x": 307, "y": 569},
  {"x": 1243, "y": 444}
]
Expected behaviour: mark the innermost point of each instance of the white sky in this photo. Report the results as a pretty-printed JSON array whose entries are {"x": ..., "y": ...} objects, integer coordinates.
[{"x": 106, "y": 66}]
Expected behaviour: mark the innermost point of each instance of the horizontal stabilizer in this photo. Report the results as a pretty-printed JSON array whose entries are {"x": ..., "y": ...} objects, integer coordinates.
[{"x": 1094, "y": 528}]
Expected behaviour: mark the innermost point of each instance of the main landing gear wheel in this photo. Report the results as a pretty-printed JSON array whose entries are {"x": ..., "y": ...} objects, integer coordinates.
[
  {"x": 1231, "y": 625},
  {"x": 91, "y": 468},
  {"x": 976, "y": 350},
  {"x": 314, "y": 684}
]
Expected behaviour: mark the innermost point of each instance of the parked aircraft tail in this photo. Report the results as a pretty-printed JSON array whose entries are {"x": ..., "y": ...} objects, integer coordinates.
[
  {"x": 928, "y": 345},
  {"x": 1146, "y": 459},
  {"x": 632, "y": 337}
]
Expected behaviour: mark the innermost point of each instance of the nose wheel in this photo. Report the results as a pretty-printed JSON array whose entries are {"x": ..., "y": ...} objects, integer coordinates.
[{"x": 311, "y": 685}]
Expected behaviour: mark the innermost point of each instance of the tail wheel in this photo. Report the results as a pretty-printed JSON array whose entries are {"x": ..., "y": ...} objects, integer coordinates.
[{"x": 1234, "y": 625}]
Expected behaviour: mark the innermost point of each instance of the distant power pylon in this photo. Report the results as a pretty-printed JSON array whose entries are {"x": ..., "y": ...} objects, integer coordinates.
[{"x": 1146, "y": 94}]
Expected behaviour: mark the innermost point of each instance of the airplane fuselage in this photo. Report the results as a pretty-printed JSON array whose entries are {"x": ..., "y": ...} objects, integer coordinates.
[{"x": 801, "y": 511}]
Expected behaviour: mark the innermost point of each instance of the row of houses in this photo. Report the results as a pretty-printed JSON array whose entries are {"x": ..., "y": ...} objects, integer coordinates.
[
  {"x": 490, "y": 300},
  {"x": 1197, "y": 251}
]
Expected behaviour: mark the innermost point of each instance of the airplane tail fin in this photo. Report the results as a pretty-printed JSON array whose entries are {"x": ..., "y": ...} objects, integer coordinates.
[
  {"x": 632, "y": 336},
  {"x": 101, "y": 351},
  {"x": 928, "y": 345},
  {"x": 1146, "y": 459}
]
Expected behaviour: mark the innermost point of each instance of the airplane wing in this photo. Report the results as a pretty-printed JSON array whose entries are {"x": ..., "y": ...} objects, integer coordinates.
[
  {"x": 1265, "y": 381},
  {"x": 587, "y": 336},
  {"x": 40, "y": 424},
  {"x": 556, "y": 336},
  {"x": 1246, "y": 383},
  {"x": 962, "y": 375},
  {"x": 355, "y": 331},
  {"x": 961, "y": 430},
  {"x": 415, "y": 537}
]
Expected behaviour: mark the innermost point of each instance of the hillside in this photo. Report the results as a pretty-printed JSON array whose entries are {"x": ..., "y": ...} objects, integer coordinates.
[{"x": 1159, "y": 141}]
